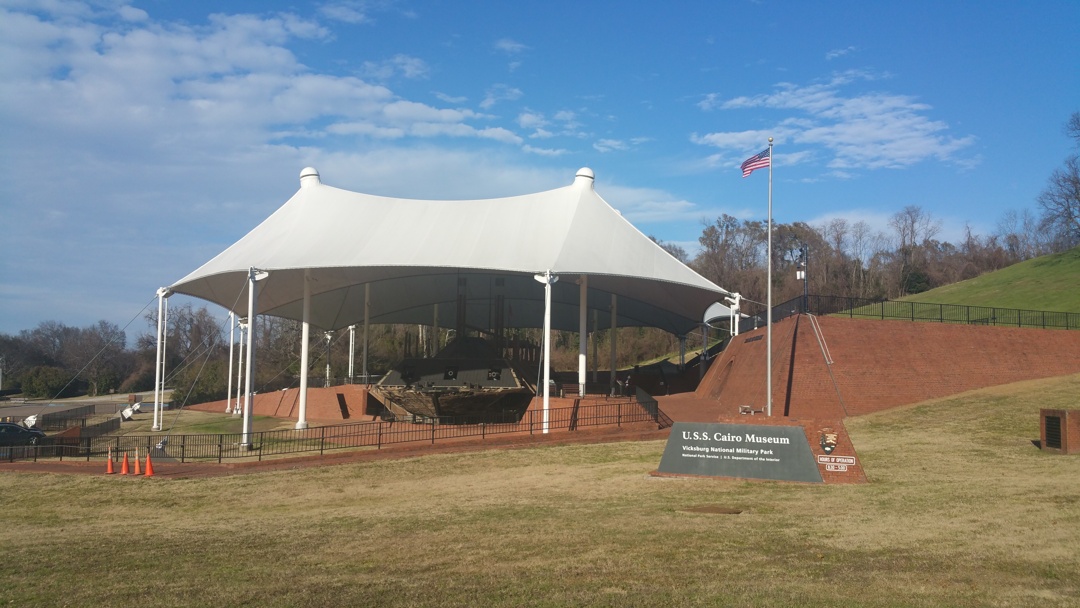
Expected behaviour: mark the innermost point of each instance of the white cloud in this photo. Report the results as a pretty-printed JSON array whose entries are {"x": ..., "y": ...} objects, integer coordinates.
[
  {"x": 140, "y": 148},
  {"x": 710, "y": 101},
  {"x": 450, "y": 98},
  {"x": 347, "y": 12},
  {"x": 130, "y": 13},
  {"x": 531, "y": 120},
  {"x": 409, "y": 67},
  {"x": 610, "y": 145},
  {"x": 544, "y": 151},
  {"x": 870, "y": 130},
  {"x": 651, "y": 205},
  {"x": 500, "y": 93},
  {"x": 835, "y": 53},
  {"x": 511, "y": 47},
  {"x": 562, "y": 123},
  {"x": 738, "y": 141},
  {"x": 367, "y": 129}
]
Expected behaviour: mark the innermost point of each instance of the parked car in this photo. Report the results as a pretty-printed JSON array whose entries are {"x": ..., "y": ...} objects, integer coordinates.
[{"x": 17, "y": 434}]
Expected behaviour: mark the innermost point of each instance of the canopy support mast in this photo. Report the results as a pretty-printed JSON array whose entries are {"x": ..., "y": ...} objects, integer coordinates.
[
  {"x": 305, "y": 354},
  {"x": 583, "y": 332}
]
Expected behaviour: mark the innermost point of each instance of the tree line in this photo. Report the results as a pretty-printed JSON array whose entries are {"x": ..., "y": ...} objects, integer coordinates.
[
  {"x": 840, "y": 258},
  {"x": 845, "y": 258}
]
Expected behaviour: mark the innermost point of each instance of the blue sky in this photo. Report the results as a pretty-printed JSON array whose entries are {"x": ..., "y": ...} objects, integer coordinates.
[{"x": 139, "y": 139}]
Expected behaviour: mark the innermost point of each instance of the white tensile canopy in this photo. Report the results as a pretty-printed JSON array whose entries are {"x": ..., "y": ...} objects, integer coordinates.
[
  {"x": 333, "y": 258},
  {"x": 421, "y": 259}
]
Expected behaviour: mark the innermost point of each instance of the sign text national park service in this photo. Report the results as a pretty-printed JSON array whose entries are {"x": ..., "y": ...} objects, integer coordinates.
[{"x": 739, "y": 450}]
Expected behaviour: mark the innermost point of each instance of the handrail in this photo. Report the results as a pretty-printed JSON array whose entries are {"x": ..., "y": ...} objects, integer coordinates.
[
  {"x": 373, "y": 434},
  {"x": 916, "y": 311},
  {"x": 821, "y": 339}
]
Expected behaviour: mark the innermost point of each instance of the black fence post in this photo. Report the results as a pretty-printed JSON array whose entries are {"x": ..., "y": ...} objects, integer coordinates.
[
  {"x": 378, "y": 439},
  {"x": 322, "y": 441}
]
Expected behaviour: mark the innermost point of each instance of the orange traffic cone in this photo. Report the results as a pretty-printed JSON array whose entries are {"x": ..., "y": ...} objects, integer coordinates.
[
  {"x": 124, "y": 465},
  {"x": 149, "y": 466},
  {"x": 138, "y": 469},
  {"x": 109, "y": 466}
]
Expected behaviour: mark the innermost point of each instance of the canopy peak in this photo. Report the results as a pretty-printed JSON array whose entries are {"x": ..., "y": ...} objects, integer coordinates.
[
  {"x": 309, "y": 176},
  {"x": 585, "y": 177}
]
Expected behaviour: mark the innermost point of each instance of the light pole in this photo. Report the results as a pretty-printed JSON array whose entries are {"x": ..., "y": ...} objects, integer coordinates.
[{"x": 800, "y": 274}]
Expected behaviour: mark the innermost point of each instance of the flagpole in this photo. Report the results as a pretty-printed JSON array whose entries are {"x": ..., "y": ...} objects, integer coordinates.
[{"x": 768, "y": 299}]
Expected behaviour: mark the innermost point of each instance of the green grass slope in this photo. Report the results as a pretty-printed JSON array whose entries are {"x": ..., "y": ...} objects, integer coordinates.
[{"x": 1049, "y": 282}]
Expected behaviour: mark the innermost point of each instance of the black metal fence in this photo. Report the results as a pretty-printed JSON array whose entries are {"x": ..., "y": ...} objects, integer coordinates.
[
  {"x": 917, "y": 311},
  {"x": 372, "y": 435}
]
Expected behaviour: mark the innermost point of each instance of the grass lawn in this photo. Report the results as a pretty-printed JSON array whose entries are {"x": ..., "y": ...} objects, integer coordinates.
[
  {"x": 1045, "y": 283},
  {"x": 962, "y": 510},
  {"x": 192, "y": 422}
]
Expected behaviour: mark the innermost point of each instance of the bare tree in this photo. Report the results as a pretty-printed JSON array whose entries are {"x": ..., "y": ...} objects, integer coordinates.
[
  {"x": 914, "y": 229},
  {"x": 676, "y": 251},
  {"x": 1060, "y": 201},
  {"x": 1019, "y": 234},
  {"x": 100, "y": 353},
  {"x": 864, "y": 243}
]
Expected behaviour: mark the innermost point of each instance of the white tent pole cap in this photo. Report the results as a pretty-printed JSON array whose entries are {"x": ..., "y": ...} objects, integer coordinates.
[
  {"x": 584, "y": 176},
  {"x": 309, "y": 177}
]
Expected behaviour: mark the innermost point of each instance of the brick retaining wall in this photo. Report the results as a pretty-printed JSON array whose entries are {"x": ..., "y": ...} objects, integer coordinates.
[{"x": 880, "y": 364}]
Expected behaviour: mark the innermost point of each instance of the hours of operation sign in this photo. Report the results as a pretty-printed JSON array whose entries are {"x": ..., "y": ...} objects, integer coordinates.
[{"x": 739, "y": 450}]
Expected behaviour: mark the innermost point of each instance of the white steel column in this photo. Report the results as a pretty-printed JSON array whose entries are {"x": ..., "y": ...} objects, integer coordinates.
[
  {"x": 682, "y": 352},
  {"x": 595, "y": 357},
  {"x": 614, "y": 327},
  {"x": 238, "y": 408},
  {"x": 583, "y": 333},
  {"x": 232, "y": 342},
  {"x": 352, "y": 352},
  {"x": 736, "y": 312},
  {"x": 547, "y": 279},
  {"x": 162, "y": 293},
  {"x": 305, "y": 334},
  {"x": 329, "y": 335},
  {"x": 253, "y": 276},
  {"x": 367, "y": 318}
]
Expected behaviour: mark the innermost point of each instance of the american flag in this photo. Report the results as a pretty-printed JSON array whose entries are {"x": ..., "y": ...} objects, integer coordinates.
[{"x": 757, "y": 161}]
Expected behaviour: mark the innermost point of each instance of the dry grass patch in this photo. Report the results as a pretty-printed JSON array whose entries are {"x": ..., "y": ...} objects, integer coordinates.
[{"x": 961, "y": 510}]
